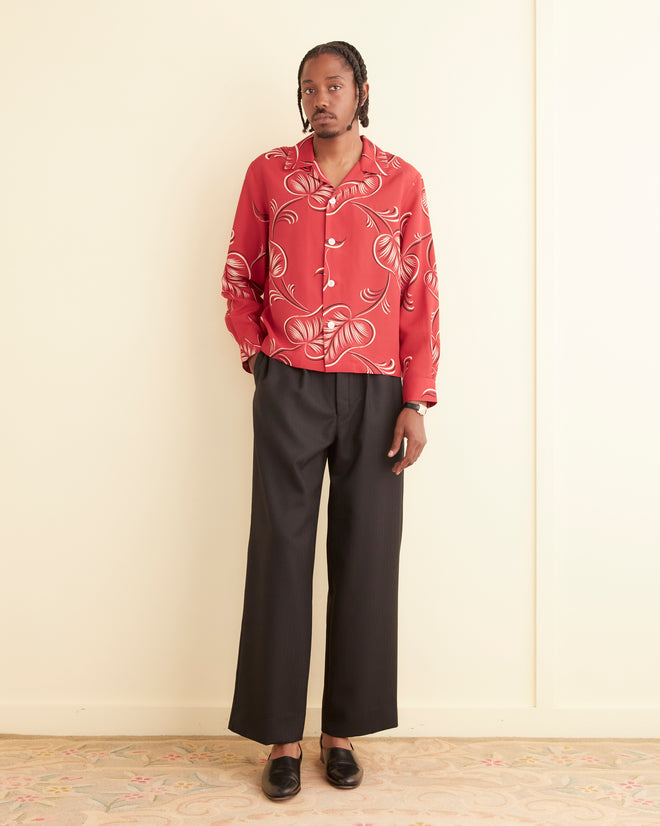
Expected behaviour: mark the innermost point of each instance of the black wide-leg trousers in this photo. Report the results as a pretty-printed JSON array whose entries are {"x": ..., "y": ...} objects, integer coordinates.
[{"x": 303, "y": 419}]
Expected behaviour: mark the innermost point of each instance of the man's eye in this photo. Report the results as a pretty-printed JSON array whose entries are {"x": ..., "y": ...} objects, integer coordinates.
[
  {"x": 309, "y": 89},
  {"x": 335, "y": 87}
]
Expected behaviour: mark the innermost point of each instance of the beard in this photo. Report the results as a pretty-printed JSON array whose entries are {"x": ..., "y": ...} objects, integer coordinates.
[{"x": 327, "y": 130}]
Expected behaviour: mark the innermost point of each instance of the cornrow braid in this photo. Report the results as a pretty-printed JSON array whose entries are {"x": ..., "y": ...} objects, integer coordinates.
[{"x": 353, "y": 59}]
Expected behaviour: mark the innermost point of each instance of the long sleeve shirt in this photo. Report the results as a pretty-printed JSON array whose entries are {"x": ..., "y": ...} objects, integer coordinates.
[{"x": 336, "y": 279}]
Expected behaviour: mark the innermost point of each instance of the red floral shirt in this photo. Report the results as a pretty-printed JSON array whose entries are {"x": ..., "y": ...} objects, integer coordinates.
[{"x": 336, "y": 279}]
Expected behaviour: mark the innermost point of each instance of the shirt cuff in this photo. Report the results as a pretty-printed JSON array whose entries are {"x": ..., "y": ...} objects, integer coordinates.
[{"x": 419, "y": 389}]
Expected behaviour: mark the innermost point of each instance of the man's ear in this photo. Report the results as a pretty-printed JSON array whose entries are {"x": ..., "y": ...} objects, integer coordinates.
[{"x": 365, "y": 91}]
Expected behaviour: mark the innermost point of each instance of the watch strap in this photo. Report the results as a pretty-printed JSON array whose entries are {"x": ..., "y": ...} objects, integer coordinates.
[{"x": 419, "y": 408}]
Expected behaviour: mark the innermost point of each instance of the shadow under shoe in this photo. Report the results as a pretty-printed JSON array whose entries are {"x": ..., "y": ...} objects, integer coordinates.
[
  {"x": 341, "y": 767},
  {"x": 281, "y": 777}
]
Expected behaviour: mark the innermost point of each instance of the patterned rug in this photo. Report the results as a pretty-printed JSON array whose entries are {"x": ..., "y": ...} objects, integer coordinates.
[{"x": 213, "y": 781}]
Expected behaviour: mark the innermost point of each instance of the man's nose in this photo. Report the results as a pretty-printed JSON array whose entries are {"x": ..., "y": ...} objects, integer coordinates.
[{"x": 321, "y": 101}]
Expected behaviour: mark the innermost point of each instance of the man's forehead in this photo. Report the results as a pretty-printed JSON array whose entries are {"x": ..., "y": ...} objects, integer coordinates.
[{"x": 327, "y": 77}]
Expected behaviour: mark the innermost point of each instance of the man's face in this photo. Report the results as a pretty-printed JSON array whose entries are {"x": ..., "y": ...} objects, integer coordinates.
[{"x": 329, "y": 94}]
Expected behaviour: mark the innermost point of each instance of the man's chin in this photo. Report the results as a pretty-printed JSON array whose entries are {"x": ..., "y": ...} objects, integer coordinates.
[{"x": 326, "y": 131}]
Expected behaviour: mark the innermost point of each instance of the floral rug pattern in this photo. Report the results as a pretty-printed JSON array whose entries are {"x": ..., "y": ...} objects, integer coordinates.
[{"x": 425, "y": 781}]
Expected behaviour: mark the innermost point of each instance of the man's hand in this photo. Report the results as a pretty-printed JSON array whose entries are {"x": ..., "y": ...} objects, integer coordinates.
[
  {"x": 251, "y": 362},
  {"x": 409, "y": 425}
]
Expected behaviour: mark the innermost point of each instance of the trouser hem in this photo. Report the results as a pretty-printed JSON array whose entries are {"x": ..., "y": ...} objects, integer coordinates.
[
  {"x": 267, "y": 735},
  {"x": 360, "y": 728}
]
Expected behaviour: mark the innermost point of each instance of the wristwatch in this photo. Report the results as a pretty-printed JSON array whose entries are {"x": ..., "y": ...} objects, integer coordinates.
[{"x": 421, "y": 408}]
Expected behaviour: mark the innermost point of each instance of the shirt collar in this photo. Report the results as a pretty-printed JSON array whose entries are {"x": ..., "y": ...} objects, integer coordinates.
[{"x": 302, "y": 156}]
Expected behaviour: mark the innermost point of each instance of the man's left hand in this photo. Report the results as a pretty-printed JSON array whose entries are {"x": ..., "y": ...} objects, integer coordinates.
[{"x": 409, "y": 425}]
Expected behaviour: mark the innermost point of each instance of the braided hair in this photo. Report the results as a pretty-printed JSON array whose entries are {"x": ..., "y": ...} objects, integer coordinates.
[{"x": 354, "y": 59}]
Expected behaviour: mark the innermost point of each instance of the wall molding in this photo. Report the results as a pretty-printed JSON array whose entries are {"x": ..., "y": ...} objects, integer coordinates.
[{"x": 181, "y": 721}]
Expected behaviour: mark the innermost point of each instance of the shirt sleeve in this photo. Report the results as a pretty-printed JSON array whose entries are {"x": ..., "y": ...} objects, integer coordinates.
[
  {"x": 419, "y": 339},
  {"x": 244, "y": 275}
]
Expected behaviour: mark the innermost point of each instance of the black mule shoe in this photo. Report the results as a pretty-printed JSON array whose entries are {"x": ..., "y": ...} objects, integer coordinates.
[
  {"x": 341, "y": 767},
  {"x": 281, "y": 777}
]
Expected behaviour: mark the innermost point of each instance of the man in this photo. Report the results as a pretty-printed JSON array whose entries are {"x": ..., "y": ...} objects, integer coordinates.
[{"x": 332, "y": 297}]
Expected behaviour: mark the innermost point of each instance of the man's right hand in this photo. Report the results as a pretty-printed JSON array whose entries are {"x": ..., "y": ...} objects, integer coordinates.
[{"x": 251, "y": 362}]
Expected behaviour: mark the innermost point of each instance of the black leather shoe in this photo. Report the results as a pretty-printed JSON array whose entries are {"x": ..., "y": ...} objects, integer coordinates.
[
  {"x": 281, "y": 777},
  {"x": 341, "y": 767}
]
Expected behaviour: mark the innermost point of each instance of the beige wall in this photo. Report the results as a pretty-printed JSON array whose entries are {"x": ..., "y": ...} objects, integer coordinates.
[{"x": 530, "y": 559}]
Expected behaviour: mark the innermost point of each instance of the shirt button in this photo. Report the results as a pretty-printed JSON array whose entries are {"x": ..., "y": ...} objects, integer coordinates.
[
  {"x": 332, "y": 201},
  {"x": 331, "y": 283},
  {"x": 331, "y": 325},
  {"x": 331, "y": 241}
]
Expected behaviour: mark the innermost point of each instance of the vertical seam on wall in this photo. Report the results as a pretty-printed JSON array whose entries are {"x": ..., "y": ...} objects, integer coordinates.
[{"x": 544, "y": 347}]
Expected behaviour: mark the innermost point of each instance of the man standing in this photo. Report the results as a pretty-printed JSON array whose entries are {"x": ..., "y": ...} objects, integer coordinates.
[{"x": 332, "y": 297}]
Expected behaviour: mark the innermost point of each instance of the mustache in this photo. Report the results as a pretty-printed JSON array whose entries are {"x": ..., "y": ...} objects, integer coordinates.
[{"x": 322, "y": 112}]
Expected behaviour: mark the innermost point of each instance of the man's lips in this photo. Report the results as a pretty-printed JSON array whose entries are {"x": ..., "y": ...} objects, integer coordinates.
[{"x": 323, "y": 116}]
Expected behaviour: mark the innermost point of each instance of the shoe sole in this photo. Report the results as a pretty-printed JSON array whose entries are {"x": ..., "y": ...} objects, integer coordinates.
[
  {"x": 340, "y": 785},
  {"x": 277, "y": 798},
  {"x": 280, "y": 799}
]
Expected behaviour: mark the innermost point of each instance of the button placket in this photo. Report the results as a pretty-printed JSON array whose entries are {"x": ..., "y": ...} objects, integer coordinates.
[{"x": 331, "y": 241}]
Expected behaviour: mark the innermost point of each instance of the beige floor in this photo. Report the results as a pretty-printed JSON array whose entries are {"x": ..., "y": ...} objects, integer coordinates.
[{"x": 67, "y": 781}]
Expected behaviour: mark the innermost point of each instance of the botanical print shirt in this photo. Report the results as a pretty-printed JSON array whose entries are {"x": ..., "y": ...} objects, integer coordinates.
[{"x": 336, "y": 279}]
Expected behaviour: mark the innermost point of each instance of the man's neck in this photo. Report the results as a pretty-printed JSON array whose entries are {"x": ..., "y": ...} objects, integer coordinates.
[{"x": 338, "y": 151}]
